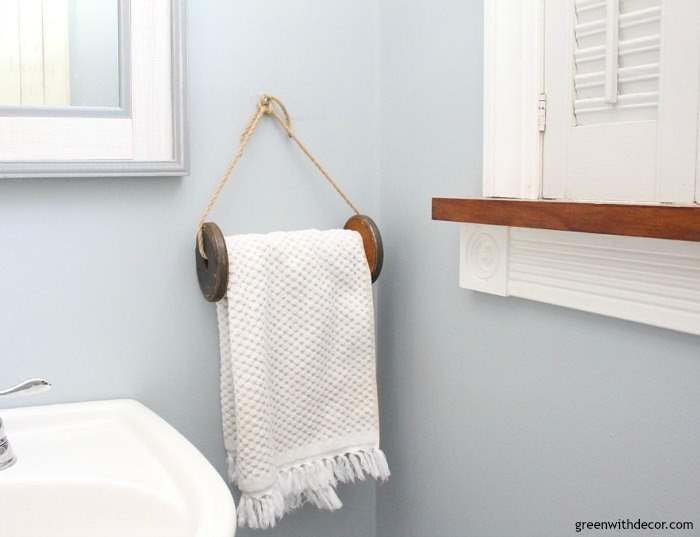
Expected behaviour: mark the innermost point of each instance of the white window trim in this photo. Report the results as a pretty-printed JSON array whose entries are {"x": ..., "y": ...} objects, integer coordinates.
[
  {"x": 651, "y": 281},
  {"x": 513, "y": 83}
]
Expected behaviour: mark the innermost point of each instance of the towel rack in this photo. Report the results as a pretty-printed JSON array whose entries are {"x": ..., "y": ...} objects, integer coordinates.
[{"x": 210, "y": 247}]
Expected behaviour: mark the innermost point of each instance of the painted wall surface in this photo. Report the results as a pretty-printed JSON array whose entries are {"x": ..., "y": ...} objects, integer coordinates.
[
  {"x": 97, "y": 276},
  {"x": 501, "y": 416}
]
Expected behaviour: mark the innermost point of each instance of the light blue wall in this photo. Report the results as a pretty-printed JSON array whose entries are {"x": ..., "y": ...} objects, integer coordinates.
[
  {"x": 97, "y": 276},
  {"x": 503, "y": 417},
  {"x": 500, "y": 416}
]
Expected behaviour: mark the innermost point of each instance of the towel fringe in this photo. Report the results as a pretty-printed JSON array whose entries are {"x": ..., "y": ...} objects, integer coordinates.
[{"x": 311, "y": 481}]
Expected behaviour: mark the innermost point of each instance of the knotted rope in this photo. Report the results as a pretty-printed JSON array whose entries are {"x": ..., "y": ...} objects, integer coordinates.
[{"x": 265, "y": 107}]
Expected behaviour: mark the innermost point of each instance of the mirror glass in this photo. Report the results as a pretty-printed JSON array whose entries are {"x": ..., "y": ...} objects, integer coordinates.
[{"x": 59, "y": 53}]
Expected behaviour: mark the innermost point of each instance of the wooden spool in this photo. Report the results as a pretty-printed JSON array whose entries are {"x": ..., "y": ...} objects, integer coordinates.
[
  {"x": 212, "y": 272},
  {"x": 371, "y": 240}
]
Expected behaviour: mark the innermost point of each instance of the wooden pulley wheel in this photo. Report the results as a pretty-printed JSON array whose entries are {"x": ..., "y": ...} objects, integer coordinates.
[
  {"x": 212, "y": 272},
  {"x": 371, "y": 240}
]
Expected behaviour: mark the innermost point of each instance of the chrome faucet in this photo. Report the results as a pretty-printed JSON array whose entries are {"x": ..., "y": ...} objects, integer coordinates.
[{"x": 28, "y": 387}]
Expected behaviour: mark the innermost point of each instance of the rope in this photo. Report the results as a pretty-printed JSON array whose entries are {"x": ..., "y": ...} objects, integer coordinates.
[
  {"x": 286, "y": 125},
  {"x": 265, "y": 106}
]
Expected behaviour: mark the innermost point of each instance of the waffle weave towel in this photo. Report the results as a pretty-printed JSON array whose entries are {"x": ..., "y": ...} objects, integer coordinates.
[{"x": 298, "y": 375}]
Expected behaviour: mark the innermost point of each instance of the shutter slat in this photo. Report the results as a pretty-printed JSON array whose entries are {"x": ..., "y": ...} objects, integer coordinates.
[{"x": 630, "y": 100}]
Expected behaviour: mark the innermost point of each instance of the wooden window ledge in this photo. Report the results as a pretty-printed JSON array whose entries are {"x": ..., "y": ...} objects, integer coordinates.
[
  {"x": 674, "y": 222},
  {"x": 610, "y": 267}
]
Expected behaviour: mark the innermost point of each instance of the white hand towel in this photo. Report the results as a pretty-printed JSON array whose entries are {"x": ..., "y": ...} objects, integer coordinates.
[{"x": 298, "y": 375}]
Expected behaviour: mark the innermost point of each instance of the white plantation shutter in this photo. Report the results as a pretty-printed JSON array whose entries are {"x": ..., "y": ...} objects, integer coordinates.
[{"x": 621, "y": 80}]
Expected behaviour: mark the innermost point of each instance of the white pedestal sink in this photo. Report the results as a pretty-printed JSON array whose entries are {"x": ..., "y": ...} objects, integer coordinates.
[{"x": 107, "y": 469}]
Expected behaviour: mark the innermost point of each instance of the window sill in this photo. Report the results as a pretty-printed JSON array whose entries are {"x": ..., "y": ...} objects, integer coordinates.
[
  {"x": 674, "y": 222},
  {"x": 595, "y": 257}
]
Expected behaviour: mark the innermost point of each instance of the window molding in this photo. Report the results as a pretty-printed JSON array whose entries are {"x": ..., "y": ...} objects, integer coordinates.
[
  {"x": 513, "y": 84},
  {"x": 677, "y": 138},
  {"x": 652, "y": 281}
]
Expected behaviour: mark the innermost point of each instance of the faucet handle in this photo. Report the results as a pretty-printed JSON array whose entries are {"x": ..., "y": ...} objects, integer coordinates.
[{"x": 28, "y": 387}]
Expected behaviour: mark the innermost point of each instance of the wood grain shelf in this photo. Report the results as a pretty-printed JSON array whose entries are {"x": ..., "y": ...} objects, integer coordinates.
[{"x": 675, "y": 222}]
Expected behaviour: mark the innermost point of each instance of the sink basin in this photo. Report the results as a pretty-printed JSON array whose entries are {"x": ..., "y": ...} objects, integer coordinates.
[{"x": 107, "y": 469}]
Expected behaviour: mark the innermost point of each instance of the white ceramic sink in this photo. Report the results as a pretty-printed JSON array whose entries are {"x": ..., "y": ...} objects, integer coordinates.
[{"x": 107, "y": 469}]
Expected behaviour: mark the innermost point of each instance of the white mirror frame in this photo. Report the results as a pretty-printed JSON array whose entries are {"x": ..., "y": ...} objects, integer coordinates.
[{"x": 145, "y": 136}]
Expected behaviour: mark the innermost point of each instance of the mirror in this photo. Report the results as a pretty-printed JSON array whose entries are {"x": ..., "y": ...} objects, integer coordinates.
[
  {"x": 92, "y": 88},
  {"x": 60, "y": 53}
]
